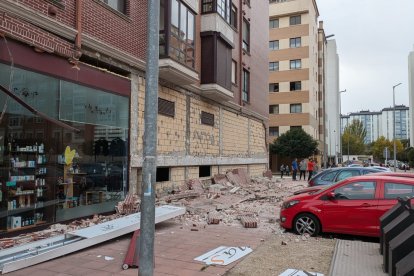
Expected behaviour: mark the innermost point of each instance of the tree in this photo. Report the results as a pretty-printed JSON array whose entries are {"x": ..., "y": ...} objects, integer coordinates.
[
  {"x": 294, "y": 143},
  {"x": 378, "y": 147},
  {"x": 353, "y": 138},
  {"x": 410, "y": 156}
]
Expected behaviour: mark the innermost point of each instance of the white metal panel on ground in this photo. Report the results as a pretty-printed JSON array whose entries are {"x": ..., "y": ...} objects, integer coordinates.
[
  {"x": 356, "y": 258},
  {"x": 224, "y": 255},
  {"x": 94, "y": 235}
]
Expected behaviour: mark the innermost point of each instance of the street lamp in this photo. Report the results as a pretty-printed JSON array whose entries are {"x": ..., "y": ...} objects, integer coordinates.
[
  {"x": 393, "y": 120},
  {"x": 340, "y": 125}
]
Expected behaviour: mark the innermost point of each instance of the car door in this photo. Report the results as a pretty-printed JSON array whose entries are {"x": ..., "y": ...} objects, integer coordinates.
[
  {"x": 353, "y": 210},
  {"x": 391, "y": 190}
]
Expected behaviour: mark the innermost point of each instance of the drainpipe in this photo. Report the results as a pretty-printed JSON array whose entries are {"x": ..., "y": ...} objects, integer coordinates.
[
  {"x": 78, "y": 38},
  {"x": 241, "y": 52}
]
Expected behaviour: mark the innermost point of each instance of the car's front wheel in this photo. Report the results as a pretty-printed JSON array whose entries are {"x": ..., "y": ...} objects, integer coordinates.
[{"x": 306, "y": 224}]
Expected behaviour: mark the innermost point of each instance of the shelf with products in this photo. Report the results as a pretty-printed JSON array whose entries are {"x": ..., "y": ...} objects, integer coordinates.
[{"x": 25, "y": 186}]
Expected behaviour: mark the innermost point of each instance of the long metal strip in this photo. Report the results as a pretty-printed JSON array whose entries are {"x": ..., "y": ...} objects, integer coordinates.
[{"x": 91, "y": 236}]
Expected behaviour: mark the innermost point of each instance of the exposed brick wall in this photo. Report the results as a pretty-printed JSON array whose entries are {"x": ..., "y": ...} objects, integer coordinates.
[
  {"x": 257, "y": 138},
  {"x": 204, "y": 139},
  {"x": 235, "y": 127},
  {"x": 172, "y": 131},
  {"x": 127, "y": 33},
  {"x": 257, "y": 170}
]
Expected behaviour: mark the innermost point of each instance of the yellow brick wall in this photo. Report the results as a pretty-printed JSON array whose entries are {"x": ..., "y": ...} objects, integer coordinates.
[
  {"x": 235, "y": 134},
  {"x": 257, "y": 170},
  {"x": 171, "y": 131},
  {"x": 204, "y": 139},
  {"x": 257, "y": 138}
]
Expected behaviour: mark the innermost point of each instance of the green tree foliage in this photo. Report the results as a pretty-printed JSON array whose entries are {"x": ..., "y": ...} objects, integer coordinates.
[
  {"x": 353, "y": 138},
  {"x": 381, "y": 143},
  {"x": 294, "y": 143},
  {"x": 410, "y": 156}
]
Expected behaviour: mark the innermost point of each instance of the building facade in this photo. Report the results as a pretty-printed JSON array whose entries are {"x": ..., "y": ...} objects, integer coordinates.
[
  {"x": 381, "y": 123},
  {"x": 73, "y": 90},
  {"x": 411, "y": 94},
  {"x": 296, "y": 66}
]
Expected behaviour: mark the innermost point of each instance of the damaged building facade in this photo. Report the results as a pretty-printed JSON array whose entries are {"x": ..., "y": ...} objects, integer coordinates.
[{"x": 72, "y": 77}]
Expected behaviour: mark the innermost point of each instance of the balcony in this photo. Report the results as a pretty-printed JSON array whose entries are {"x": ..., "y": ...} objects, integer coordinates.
[
  {"x": 174, "y": 72},
  {"x": 216, "y": 92}
]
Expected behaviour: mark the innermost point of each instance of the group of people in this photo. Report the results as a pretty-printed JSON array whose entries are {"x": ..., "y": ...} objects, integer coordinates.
[{"x": 310, "y": 166}]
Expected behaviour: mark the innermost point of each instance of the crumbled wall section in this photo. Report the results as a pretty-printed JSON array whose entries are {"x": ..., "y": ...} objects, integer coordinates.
[
  {"x": 235, "y": 127},
  {"x": 204, "y": 139},
  {"x": 171, "y": 130},
  {"x": 256, "y": 170}
]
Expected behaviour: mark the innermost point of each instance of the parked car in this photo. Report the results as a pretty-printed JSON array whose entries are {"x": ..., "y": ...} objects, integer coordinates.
[
  {"x": 403, "y": 166},
  {"x": 352, "y": 206},
  {"x": 333, "y": 175}
]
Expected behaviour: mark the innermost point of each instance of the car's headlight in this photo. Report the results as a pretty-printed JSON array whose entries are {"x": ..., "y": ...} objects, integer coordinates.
[{"x": 289, "y": 204}]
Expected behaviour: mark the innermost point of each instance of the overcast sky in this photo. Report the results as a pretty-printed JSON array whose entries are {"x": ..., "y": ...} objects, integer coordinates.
[{"x": 374, "y": 39}]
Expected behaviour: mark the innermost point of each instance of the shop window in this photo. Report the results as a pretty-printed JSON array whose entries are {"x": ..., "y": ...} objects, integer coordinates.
[
  {"x": 204, "y": 171},
  {"x": 177, "y": 32},
  {"x": 163, "y": 174},
  {"x": 207, "y": 118},
  {"x": 166, "y": 107}
]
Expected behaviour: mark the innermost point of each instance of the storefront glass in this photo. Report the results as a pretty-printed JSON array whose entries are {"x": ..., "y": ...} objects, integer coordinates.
[{"x": 50, "y": 172}]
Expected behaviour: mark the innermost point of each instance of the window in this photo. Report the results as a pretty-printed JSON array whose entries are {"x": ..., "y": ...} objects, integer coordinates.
[
  {"x": 233, "y": 71},
  {"x": 246, "y": 84},
  {"x": 274, "y": 66},
  {"x": 295, "y": 20},
  {"x": 118, "y": 5},
  {"x": 163, "y": 174},
  {"x": 296, "y": 108},
  {"x": 207, "y": 118},
  {"x": 295, "y": 85},
  {"x": 274, "y": 109},
  {"x": 395, "y": 190},
  {"x": 346, "y": 174},
  {"x": 295, "y": 42},
  {"x": 246, "y": 35},
  {"x": 274, "y": 45},
  {"x": 177, "y": 38},
  {"x": 273, "y": 23},
  {"x": 166, "y": 108},
  {"x": 274, "y": 87},
  {"x": 329, "y": 176},
  {"x": 295, "y": 64},
  {"x": 356, "y": 190},
  {"x": 274, "y": 131},
  {"x": 204, "y": 171},
  {"x": 233, "y": 17}
]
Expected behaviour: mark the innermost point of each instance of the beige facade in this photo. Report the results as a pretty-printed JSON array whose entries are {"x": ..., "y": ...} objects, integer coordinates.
[
  {"x": 297, "y": 34},
  {"x": 236, "y": 140}
]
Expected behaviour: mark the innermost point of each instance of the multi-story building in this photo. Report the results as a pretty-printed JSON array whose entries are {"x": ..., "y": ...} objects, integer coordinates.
[
  {"x": 72, "y": 105},
  {"x": 381, "y": 123},
  {"x": 295, "y": 67},
  {"x": 411, "y": 94}
]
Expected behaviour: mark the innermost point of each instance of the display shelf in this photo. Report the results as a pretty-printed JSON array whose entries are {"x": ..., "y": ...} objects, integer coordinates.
[{"x": 26, "y": 227}]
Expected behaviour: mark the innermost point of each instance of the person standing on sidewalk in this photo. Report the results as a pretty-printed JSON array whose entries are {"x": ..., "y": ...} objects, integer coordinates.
[
  {"x": 282, "y": 170},
  {"x": 310, "y": 168},
  {"x": 294, "y": 168},
  {"x": 302, "y": 167}
]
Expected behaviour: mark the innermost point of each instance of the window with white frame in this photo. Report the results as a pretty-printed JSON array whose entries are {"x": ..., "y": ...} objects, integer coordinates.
[
  {"x": 295, "y": 42},
  {"x": 295, "y": 64},
  {"x": 274, "y": 45},
  {"x": 295, "y": 20},
  {"x": 274, "y": 66}
]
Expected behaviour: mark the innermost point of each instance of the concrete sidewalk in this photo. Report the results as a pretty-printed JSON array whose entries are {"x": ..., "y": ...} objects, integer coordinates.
[
  {"x": 175, "y": 249},
  {"x": 356, "y": 258}
]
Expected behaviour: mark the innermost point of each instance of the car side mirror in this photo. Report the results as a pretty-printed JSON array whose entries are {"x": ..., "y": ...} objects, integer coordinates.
[{"x": 331, "y": 195}]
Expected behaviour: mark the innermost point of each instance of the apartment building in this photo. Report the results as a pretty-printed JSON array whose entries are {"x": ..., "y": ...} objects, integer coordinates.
[
  {"x": 296, "y": 69},
  {"x": 73, "y": 77},
  {"x": 381, "y": 123},
  {"x": 411, "y": 94}
]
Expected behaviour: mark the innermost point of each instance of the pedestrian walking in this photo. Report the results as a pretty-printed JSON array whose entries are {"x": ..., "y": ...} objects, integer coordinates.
[
  {"x": 310, "y": 168},
  {"x": 282, "y": 170},
  {"x": 315, "y": 167},
  {"x": 287, "y": 171},
  {"x": 294, "y": 168},
  {"x": 303, "y": 165}
]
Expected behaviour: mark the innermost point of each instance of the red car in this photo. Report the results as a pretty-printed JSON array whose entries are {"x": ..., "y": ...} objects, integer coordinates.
[{"x": 352, "y": 206}]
